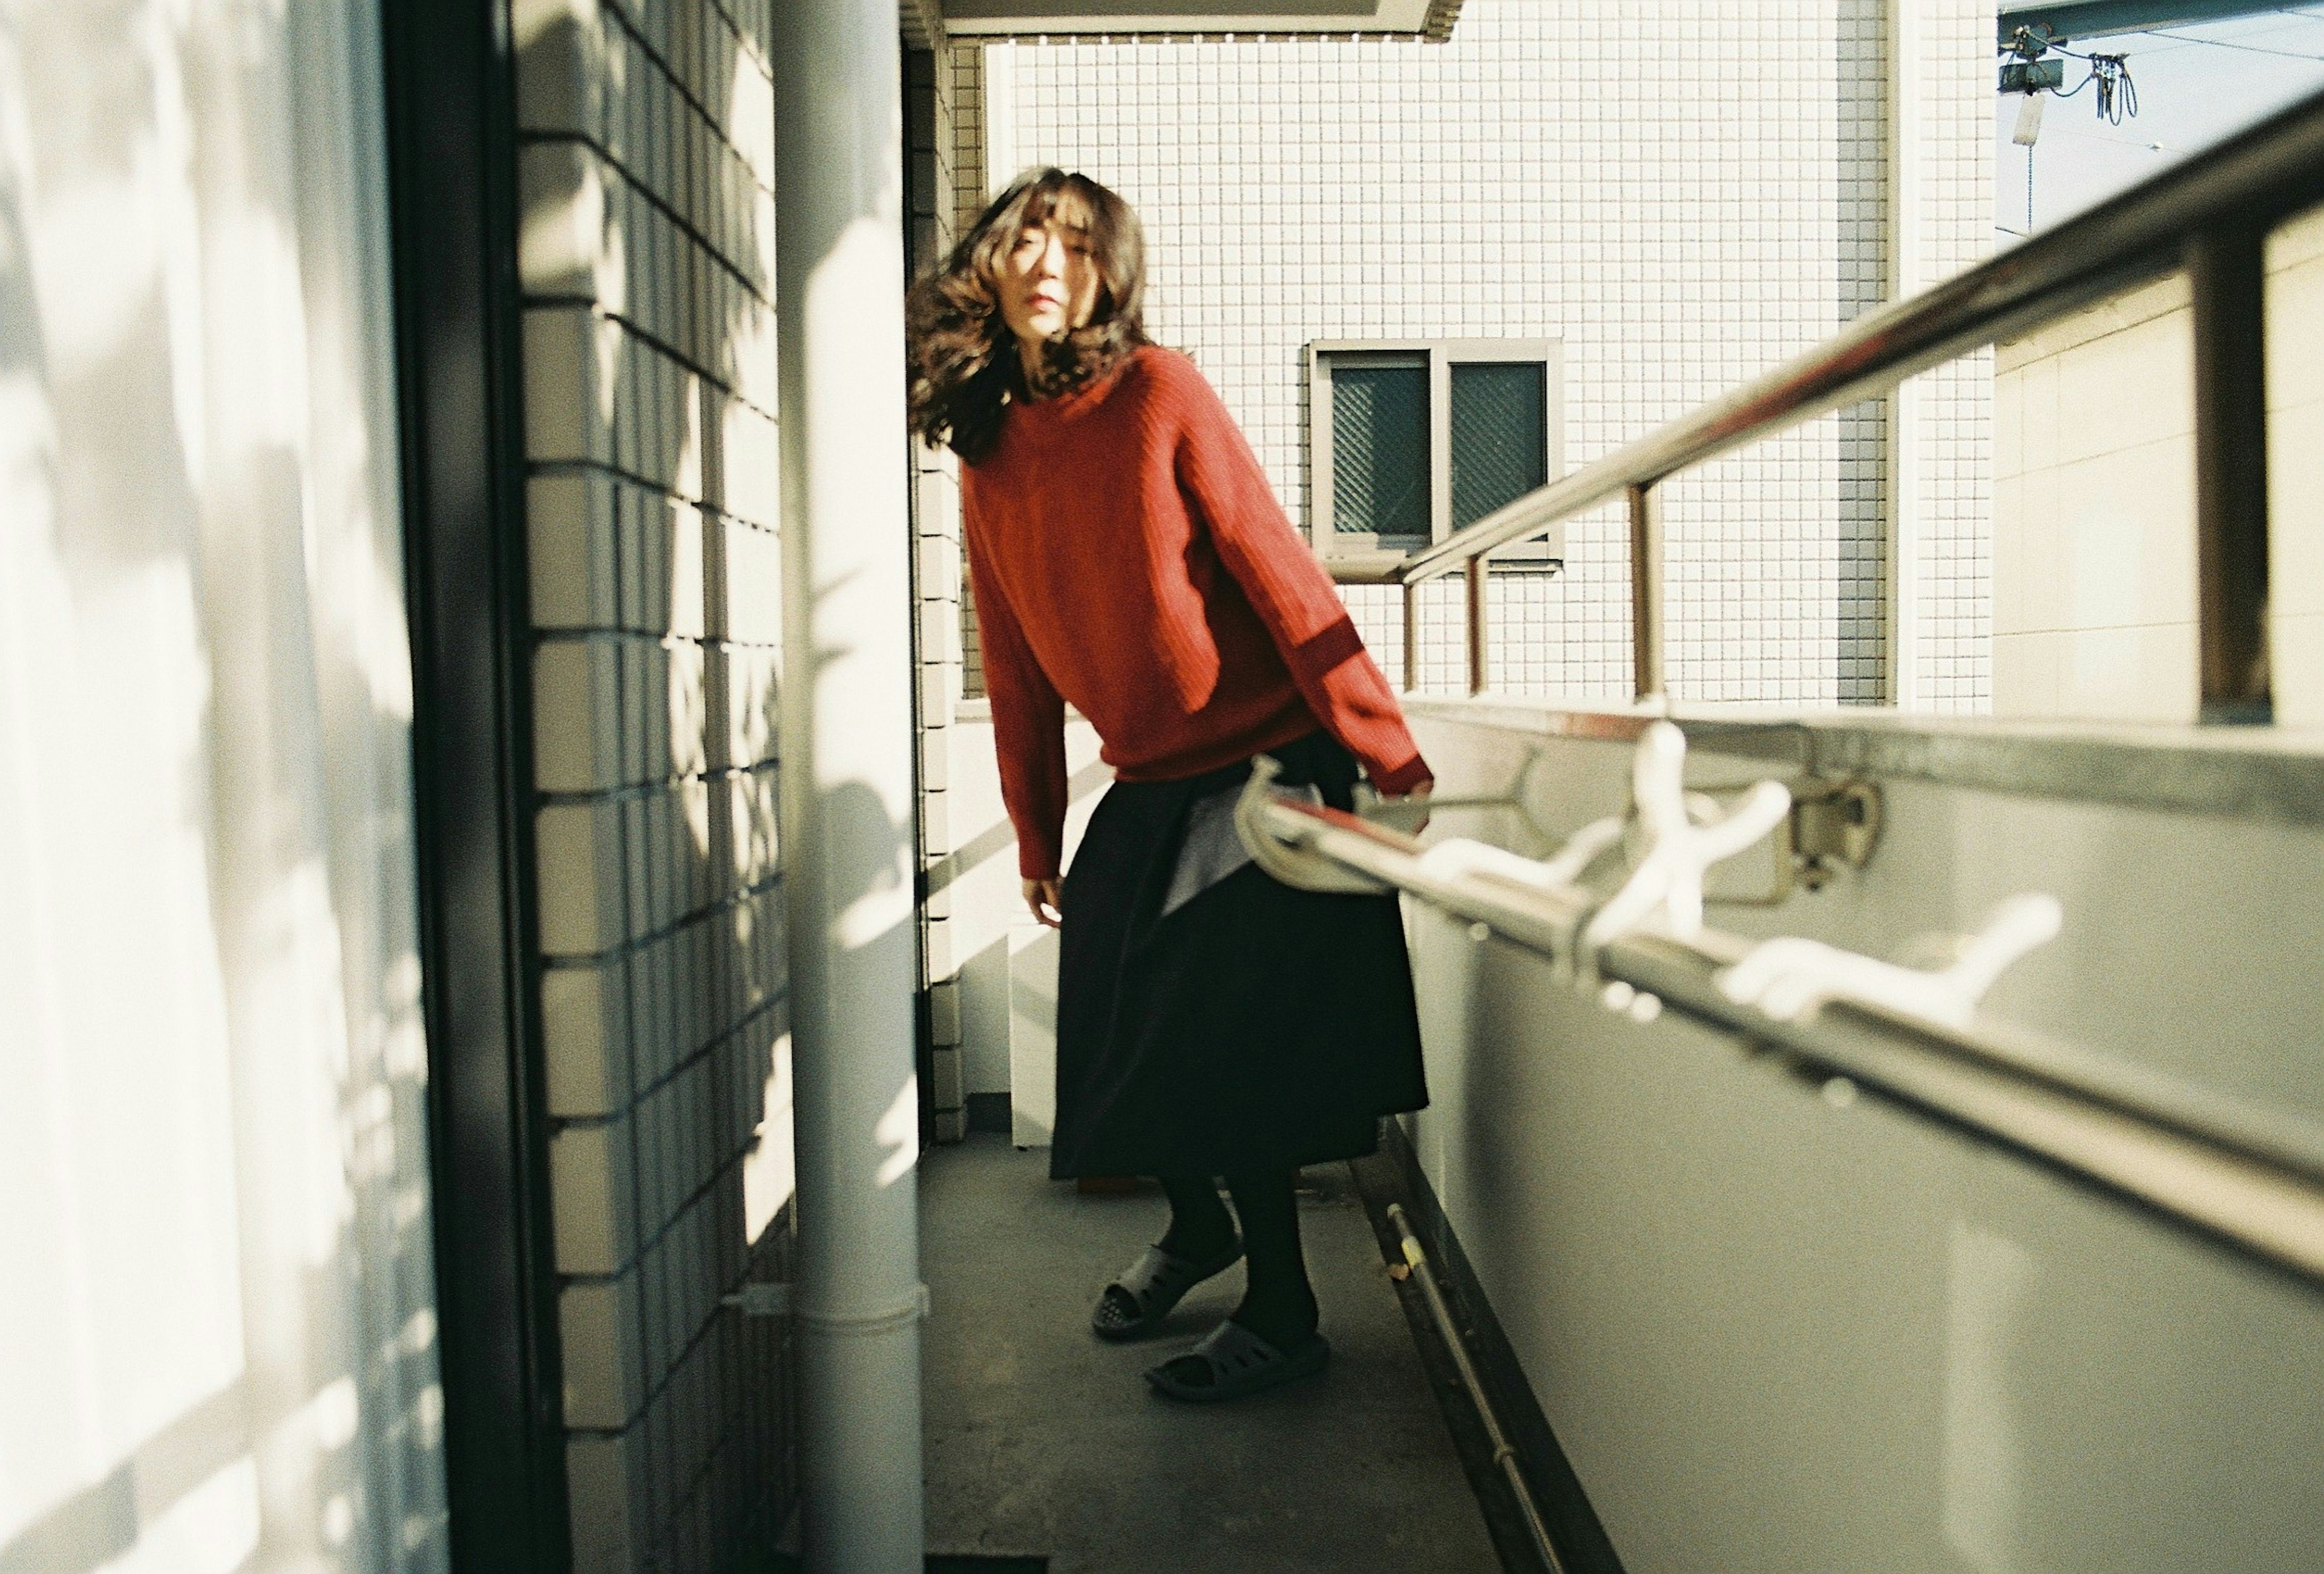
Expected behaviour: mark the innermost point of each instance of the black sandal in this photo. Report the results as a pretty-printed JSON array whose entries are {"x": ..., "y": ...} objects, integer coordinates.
[
  {"x": 1240, "y": 1362},
  {"x": 1136, "y": 1304}
]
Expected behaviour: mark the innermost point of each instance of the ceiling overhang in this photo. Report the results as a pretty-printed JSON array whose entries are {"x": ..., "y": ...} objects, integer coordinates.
[
  {"x": 999, "y": 21},
  {"x": 2068, "y": 20}
]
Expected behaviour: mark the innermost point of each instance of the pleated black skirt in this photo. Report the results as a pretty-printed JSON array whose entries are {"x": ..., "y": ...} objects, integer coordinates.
[{"x": 1249, "y": 1026}]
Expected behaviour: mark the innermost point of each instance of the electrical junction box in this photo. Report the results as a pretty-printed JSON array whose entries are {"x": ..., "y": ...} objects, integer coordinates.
[{"x": 2032, "y": 76}]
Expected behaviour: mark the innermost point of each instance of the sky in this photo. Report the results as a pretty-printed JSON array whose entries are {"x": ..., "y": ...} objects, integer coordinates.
[{"x": 2196, "y": 85}]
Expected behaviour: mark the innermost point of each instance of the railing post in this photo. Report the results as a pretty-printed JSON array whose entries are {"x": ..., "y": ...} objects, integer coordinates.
[
  {"x": 2227, "y": 274},
  {"x": 1646, "y": 592},
  {"x": 1411, "y": 637},
  {"x": 1480, "y": 631}
]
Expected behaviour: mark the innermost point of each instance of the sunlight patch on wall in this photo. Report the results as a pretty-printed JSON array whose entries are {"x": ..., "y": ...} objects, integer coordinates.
[{"x": 1990, "y": 1277}]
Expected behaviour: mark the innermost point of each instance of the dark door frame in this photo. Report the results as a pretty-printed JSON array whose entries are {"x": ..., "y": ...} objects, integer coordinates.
[{"x": 451, "y": 137}]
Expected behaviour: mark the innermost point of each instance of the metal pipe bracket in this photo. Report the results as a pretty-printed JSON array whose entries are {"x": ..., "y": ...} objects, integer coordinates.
[{"x": 1294, "y": 863}]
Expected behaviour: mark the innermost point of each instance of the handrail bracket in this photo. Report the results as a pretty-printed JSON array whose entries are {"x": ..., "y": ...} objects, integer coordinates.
[{"x": 1832, "y": 822}]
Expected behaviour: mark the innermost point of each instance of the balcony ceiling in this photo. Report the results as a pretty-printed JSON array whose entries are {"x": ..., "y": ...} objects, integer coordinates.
[
  {"x": 2065, "y": 20},
  {"x": 983, "y": 21}
]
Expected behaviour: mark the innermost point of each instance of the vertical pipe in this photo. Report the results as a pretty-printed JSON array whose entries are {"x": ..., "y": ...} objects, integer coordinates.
[
  {"x": 1647, "y": 593},
  {"x": 2227, "y": 273},
  {"x": 1479, "y": 629},
  {"x": 848, "y": 814},
  {"x": 1411, "y": 637}
]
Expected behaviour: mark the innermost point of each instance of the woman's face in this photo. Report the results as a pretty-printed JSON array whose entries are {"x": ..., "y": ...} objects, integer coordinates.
[{"x": 1048, "y": 278}]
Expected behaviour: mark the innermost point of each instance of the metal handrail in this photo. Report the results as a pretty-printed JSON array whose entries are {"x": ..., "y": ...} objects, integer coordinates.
[
  {"x": 2205, "y": 1163},
  {"x": 2209, "y": 215}
]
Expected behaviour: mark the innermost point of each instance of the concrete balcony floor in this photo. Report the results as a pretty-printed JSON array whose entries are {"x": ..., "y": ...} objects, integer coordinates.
[{"x": 1043, "y": 1440}]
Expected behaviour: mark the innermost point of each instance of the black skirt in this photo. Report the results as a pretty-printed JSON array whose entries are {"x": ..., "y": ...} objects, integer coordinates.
[{"x": 1247, "y": 1026}]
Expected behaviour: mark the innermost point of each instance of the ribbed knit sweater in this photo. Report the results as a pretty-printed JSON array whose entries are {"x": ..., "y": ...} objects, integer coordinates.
[{"x": 1129, "y": 559}]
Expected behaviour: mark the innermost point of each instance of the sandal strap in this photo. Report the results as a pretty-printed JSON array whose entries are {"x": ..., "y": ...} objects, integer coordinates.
[
  {"x": 1154, "y": 1270},
  {"x": 1159, "y": 1273},
  {"x": 1239, "y": 1362},
  {"x": 1231, "y": 1348}
]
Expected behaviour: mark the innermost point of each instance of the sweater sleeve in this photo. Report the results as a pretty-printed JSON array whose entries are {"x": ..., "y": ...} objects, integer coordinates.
[
  {"x": 1029, "y": 726},
  {"x": 1294, "y": 597}
]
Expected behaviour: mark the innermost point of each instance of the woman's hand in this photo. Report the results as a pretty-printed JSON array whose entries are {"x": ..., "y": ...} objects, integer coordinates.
[{"x": 1044, "y": 899}]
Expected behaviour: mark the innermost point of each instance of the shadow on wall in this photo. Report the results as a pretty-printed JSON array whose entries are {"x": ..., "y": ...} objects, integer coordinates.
[
  {"x": 989, "y": 943},
  {"x": 217, "y": 1335},
  {"x": 647, "y": 261}
]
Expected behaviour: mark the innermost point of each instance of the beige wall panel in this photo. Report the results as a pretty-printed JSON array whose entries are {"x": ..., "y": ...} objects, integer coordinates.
[{"x": 2094, "y": 503}]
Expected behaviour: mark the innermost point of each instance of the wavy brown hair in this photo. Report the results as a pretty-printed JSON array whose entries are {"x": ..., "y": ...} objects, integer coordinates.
[{"x": 966, "y": 368}]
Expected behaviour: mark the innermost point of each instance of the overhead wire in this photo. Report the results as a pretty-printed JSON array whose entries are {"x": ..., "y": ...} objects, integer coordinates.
[
  {"x": 2116, "y": 94},
  {"x": 2248, "y": 49}
]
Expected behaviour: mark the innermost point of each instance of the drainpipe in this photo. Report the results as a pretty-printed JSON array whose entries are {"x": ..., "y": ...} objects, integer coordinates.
[{"x": 848, "y": 812}]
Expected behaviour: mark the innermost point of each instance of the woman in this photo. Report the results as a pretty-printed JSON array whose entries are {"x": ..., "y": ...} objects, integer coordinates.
[{"x": 1128, "y": 559}]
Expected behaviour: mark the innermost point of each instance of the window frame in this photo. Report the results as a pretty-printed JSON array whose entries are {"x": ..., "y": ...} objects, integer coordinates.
[{"x": 1546, "y": 552}]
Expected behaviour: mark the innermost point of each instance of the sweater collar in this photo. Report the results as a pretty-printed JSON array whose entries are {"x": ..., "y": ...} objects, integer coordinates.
[{"x": 1040, "y": 416}]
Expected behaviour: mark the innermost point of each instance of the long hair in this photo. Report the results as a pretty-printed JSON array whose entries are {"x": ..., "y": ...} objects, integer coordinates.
[{"x": 965, "y": 367}]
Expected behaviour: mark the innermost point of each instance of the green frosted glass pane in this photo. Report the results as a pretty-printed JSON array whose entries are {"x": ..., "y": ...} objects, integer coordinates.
[
  {"x": 1500, "y": 429},
  {"x": 1379, "y": 452}
]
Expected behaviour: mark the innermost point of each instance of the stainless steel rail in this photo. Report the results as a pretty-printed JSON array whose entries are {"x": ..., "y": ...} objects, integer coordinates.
[
  {"x": 2243, "y": 1181},
  {"x": 2209, "y": 216}
]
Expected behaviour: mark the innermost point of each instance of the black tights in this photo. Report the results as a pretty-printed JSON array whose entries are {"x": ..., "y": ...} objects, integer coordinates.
[{"x": 1278, "y": 1304}]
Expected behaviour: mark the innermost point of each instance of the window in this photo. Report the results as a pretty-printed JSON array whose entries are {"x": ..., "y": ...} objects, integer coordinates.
[{"x": 1413, "y": 441}]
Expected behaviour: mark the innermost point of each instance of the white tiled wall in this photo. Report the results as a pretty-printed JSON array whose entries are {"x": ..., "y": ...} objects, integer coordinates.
[
  {"x": 646, "y": 264},
  {"x": 964, "y": 173},
  {"x": 1951, "y": 525},
  {"x": 943, "y": 119},
  {"x": 1684, "y": 193}
]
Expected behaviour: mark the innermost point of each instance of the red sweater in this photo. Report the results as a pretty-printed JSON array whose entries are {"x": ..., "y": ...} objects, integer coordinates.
[{"x": 1130, "y": 560}]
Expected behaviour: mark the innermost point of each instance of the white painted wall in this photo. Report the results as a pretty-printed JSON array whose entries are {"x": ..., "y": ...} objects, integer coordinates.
[
  {"x": 217, "y": 1336},
  {"x": 1774, "y": 1333},
  {"x": 1005, "y": 967}
]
